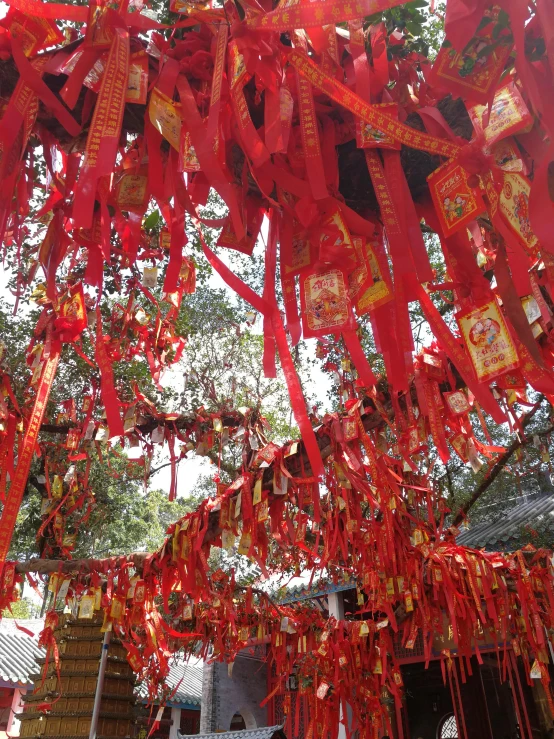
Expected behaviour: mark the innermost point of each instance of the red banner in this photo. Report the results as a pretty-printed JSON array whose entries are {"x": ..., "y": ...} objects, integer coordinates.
[
  {"x": 22, "y": 102},
  {"x": 105, "y": 129},
  {"x": 107, "y": 387},
  {"x": 310, "y": 139},
  {"x": 217, "y": 82},
  {"x": 318, "y": 13},
  {"x": 17, "y": 488},
  {"x": 371, "y": 114}
]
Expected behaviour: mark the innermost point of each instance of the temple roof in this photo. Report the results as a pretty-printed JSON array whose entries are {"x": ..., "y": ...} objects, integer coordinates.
[
  {"x": 505, "y": 530},
  {"x": 186, "y": 678},
  {"x": 269, "y": 732},
  {"x": 19, "y": 650}
]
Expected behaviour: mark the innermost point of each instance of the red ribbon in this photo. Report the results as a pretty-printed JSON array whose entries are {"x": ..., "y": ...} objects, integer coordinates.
[
  {"x": 295, "y": 390},
  {"x": 27, "y": 451},
  {"x": 105, "y": 129},
  {"x": 110, "y": 400},
  {"x": 33, "y": 80}
]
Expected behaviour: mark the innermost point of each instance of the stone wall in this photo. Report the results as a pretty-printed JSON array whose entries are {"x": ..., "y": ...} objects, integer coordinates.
[
  {"x": 224, "y": 695},
  {"x": 207, "y": 706}
]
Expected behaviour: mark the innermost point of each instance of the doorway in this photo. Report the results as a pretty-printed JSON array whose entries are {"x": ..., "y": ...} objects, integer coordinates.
[
  {"x": 237, "y": 723},
  {"x": 487, "y": 704}
]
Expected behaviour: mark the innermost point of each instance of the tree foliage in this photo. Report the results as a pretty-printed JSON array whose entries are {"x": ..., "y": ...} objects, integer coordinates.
[{"x": 222, "y": 368}]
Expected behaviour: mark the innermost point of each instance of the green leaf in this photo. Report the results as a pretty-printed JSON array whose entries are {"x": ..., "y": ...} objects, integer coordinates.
[
  {"x": 152, "y": 220},
  {"x": 486, "y": 50},
  {"x": 503, "y": 19},
  {"x": 373, "y": 19},
  {"x": 414, "y": 28}
]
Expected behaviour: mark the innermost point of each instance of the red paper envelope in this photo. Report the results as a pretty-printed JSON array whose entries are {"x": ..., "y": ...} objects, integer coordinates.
[
  {"x": 508, "y": 115},
  {"x": 473, "y": 72},
  {"x": 456, "y": 203},
  {"x": 131, "y": 190},
  {"x": 369, "y": 137},
  {"x": 325, "y": 303},
  {"x": 513, "y": 204},
  {"x": 488, "y": 340},
  {"x": 369, "y": 285}
]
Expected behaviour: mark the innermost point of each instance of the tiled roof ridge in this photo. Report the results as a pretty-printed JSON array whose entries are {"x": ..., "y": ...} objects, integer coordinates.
[
  {"x": 265, "y": 732},
  {"x": 19, "y": 651},
  {"x": 187, "y": 678},
  {"x": 538, "y": 513},
  {"x": 20, "y": 656}
]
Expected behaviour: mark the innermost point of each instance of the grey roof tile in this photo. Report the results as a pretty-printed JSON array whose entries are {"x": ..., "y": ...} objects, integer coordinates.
[
  {"x": 537, "y": 513},
  {"x": 188, "y": 677},
  {"x": 19, "y": 651},
  {"x": 321, "y": 587},
  {"x": 269, "y": 732}
]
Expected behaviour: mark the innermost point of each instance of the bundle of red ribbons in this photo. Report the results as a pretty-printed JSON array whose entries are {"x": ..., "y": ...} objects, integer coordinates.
[
  {"x": 314, "y": 116},
  {"x": 412, "y": 588}
]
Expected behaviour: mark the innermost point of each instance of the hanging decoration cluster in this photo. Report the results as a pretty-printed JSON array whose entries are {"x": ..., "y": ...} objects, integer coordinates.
[
  {"x": 328, "y": 122},
  {"x": 414, "y": 586}
]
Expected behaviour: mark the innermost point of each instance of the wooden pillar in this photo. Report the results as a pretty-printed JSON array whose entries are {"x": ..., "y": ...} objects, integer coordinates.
[
  {"x": 336, "y": 605},
  {"x": 16, "y": 708},
  {"x": 336, "y": 609},
  {"x": 175, "y": 723}
]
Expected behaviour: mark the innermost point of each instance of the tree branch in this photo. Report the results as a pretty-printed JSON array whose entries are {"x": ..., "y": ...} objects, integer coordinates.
[
  {"x": 83, "y": 566},
  {"x": 229, "y": 469},
  {"x": 161, "y": 467},
  {"x": 183, "y": 422},
  {"x": 500, "y": 463},
  {"x": 370, "y": 420},
  {"x": 297, "y": 464},
  {"x": 262, "y": 594}
]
